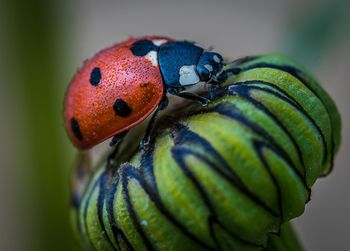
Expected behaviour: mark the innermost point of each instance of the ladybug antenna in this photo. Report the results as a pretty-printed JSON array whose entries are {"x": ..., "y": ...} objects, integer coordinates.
[{"x": 234, "y": 70}]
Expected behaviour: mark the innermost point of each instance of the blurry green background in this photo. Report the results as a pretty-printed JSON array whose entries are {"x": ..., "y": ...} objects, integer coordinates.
[{"x": 42, "y": 42}]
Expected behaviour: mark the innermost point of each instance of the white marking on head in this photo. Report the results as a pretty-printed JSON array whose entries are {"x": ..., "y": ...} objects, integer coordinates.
[
  {"x": 153, "y": 57},
  {"x": 216, "y": 59},
  {"x": 188, "y": 75},
  {"x": 208, "y": 67},
  {"x": 159, "y": 42}
]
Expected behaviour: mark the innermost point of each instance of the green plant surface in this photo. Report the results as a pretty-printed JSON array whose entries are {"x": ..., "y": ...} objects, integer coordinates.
[{"x": 229, "y": 176}]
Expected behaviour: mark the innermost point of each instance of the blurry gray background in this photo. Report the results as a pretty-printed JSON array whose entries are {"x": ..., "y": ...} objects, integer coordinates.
[{"x": 316, "y": 33}]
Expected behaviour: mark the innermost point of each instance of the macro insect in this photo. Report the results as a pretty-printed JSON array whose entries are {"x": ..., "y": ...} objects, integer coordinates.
[
  {"x": 121, "y": 86},
  {"x": 229, "y": 176}
]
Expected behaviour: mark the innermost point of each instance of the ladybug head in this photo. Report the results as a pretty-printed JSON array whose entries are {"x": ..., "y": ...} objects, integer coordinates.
[{"x": 210, "y": 66}]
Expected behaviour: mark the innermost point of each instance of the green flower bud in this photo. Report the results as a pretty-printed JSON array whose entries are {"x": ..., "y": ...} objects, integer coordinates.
[{"x": 223, "y": 177}]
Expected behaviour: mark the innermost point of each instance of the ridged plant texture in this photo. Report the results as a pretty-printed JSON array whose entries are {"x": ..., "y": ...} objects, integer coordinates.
[{"x": 222, "y": 177}]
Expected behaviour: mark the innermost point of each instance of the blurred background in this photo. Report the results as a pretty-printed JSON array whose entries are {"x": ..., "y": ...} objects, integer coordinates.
[{"x": 42, "y": 42}]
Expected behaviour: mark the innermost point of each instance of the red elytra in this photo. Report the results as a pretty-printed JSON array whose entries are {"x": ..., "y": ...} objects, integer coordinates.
[{"x": 89, "y": 111}]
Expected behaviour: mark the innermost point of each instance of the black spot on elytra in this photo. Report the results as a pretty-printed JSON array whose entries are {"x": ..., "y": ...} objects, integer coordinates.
[
  {"x": 142, "y": 47},
  {"x": 121, "y": 108},
  {"x": 95, "y": 76},
  {"x": 76, "y": 129}
]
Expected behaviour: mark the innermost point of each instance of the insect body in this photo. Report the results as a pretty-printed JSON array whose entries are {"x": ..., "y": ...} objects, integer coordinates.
[{"x": 122, "y": 85}]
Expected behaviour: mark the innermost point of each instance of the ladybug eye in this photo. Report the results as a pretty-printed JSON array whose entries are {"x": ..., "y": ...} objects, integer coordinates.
[
  {"x": 217, "y": 58},
  {"x": 121, "y": 108},
  {"x": 76, "y": 129},
  {"x": 95, "y": 76}
]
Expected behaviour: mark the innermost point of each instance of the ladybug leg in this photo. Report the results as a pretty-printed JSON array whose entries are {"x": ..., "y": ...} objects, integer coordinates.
[
  {"x": 213, "y": 91},
  {"x": 188, "y": 95},
  {"x": 117, "y": 139},
  {"x": 147, "y": 138}
]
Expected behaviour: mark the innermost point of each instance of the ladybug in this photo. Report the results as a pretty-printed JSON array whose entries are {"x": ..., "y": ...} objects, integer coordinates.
[{"x": 121, "y": 86}]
